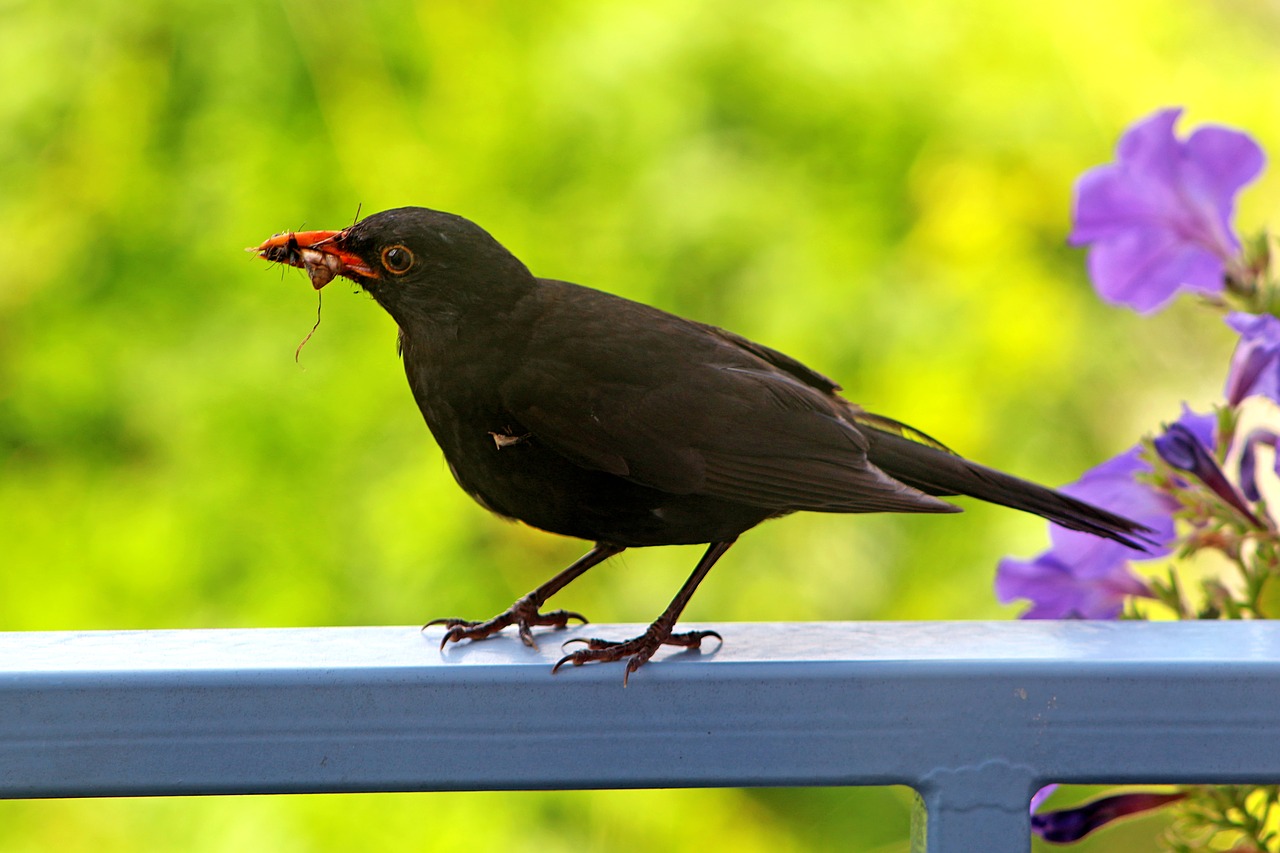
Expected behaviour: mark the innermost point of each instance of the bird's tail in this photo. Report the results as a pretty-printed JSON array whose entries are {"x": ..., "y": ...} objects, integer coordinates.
[{"x": 937, "y": 471}]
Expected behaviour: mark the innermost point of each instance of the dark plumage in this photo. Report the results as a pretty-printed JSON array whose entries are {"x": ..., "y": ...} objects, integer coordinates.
[{"x": 589, "y": 415}]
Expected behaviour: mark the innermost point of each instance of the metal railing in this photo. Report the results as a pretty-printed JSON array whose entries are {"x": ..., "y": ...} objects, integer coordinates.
[{"x": 973, "y": 715}]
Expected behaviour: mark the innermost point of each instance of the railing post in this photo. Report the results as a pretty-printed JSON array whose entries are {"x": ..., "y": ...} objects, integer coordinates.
[{"x": 968, "y": 809}]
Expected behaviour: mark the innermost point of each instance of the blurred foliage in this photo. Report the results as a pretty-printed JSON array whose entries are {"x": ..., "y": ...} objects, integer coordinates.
[{"x": 880, "y": 189}]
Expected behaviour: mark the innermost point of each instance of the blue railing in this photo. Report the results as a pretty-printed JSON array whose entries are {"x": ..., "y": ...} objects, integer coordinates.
[{"x": 973, "y": 715}]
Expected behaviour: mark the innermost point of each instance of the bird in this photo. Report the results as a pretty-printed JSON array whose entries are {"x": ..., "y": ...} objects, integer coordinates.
[{"x": 589, "y": 415}]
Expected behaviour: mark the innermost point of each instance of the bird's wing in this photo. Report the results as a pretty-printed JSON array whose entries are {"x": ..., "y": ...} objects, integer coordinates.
[
  {"x": 815, "y": 380},
  {"x": 715, "y": 418},
  {"x": 780, "y": 360}
]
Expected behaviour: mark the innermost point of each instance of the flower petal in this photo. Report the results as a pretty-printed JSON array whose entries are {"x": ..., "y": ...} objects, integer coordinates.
[
  {"x": 1158, "y": 220},
  {"x": 1110, "y": 200},
  {"x": 1185, "y": 451},
  {"x": 1255, "y": 364},
  {"x": 1144, "y": 268},
  {"x": 1229, "y": 159},
  {"x": 1150, "y": 147},
  {"x": 1086, "y": 577},
  {"x": 1058, "y": 592},
  {"x": 1041, "y": 795},
  {"x": 1249, "y": 462}
]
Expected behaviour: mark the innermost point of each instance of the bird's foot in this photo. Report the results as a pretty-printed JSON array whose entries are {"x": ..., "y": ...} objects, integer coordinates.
[
  {"x": 523, "y": 614},
  {"x": 637, "y": 650}
]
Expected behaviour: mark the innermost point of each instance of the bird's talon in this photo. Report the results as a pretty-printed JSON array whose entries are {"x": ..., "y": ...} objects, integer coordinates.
[
  {"x": 636, "y": 651},
  {"x": 563, "y": 661},
  {"x": 523, "y": 614},
  {"x": 693, "y": 639},
  {"x": 453, "y": 635}
]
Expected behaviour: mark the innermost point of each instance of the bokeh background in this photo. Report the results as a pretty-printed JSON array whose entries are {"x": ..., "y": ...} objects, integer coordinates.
[{"x": 879, "y": 188}]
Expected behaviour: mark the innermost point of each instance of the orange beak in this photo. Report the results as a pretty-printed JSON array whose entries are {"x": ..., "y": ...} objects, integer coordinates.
[{"x": 320, "y": 253}]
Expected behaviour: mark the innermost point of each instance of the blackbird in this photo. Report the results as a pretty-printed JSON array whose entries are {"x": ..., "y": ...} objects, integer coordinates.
[{"x": 589, "y": 415}]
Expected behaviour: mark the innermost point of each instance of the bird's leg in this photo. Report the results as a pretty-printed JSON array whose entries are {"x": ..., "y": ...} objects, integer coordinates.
[
  {"x": 524, "y": 612},
  {"x": 640, "y": 649}
]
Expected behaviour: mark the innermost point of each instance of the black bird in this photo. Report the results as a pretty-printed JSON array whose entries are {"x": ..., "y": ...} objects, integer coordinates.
[{"x": 589, "y": 415}]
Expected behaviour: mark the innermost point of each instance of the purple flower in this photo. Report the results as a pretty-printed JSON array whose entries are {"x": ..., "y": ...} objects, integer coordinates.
[
  {"x": 1159, "y": 219},
  {"x": 1184, "y": 449},
  {"x": 1256, "y": 426},
  {"x": 1082, "y": 576},
  {"x": 1038, "y": 798},
  {"x": 1200, "y": 427},
  {"x": 1067, "y": 825},
  {"x": 1255, "y": 365},
  {"x": 1249, "y": 461}
]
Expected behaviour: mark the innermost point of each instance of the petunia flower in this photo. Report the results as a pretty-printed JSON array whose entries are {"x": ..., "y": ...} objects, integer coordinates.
[
  {"x": 1255, "y": 364},
  {"x": 1082, "y": 576},
  {"x": 1249, "y": 461},
  {"x": 1158, "y": 220},
  {"x": 1184, "y": 450},
  {"x": 1257, "y": 426},
  {"x": 1038, "y": 798}
]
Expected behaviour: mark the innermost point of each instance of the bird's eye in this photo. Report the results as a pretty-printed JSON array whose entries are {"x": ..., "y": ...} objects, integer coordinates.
[{"x": 397, "y": 259}]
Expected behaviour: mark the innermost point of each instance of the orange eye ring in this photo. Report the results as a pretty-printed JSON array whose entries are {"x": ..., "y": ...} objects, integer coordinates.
[{"x": 397, "y": 259}]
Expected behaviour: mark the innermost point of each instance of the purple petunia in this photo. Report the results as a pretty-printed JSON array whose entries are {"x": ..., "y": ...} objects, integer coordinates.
[
  {"x": 1249, "y": 461},
  {"x": 1191, "y": 450},
  {"x": 1158, "y": 220},
  {"x": 1255, "y": 365},
  {"x": 1257, "y": 426},
  {"x": 1082, "y": 576},
  {"x": 1038, "y": 798}
]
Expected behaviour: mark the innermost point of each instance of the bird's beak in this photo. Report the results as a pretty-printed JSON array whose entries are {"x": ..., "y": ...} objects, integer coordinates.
[{"x": 320, "y": 253}]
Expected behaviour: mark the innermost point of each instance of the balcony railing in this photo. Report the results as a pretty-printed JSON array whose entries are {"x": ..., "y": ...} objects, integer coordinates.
[{"x": 973, "y": 715}]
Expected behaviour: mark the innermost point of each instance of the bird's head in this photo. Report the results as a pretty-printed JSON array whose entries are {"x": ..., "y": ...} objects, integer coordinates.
[{"x": 417, "y": 263}]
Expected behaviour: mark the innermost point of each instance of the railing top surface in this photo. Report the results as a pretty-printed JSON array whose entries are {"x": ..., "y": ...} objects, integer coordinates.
[{"x": 995, "y": 644}]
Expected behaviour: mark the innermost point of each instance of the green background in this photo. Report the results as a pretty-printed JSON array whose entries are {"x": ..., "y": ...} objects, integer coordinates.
[{"x": 880, "y": 189}]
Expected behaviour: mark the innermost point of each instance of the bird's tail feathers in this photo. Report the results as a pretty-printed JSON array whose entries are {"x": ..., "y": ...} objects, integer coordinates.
[{"x": 939, "y": 472}]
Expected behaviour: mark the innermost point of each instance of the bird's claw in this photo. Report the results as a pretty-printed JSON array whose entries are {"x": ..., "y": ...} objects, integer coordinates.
[
  {"x": 523, "y": 614},
  {"x": 637, "y": 650}
]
